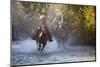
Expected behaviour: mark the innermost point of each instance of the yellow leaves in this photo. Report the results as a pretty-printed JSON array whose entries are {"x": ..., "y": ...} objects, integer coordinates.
[
  {"x": 89, "y": 14},
  {"x": 71, "y": 12}
]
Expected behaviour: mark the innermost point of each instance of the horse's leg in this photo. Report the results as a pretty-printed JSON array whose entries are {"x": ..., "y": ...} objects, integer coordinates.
[
  {"x": 59, "y": 43},
  {"x": 44, "y": 44},
  {"x": 39, "y": 46}
]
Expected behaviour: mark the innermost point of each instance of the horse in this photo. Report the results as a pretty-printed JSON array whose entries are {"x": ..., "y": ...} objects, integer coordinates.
[
  {"x": 59, "y": 32},
  {"x": 60, "y": 37},
  {"x": 41, "y": 36}
]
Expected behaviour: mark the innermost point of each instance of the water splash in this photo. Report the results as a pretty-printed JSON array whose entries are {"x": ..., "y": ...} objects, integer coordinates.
[{"x": 30, "y": 46}]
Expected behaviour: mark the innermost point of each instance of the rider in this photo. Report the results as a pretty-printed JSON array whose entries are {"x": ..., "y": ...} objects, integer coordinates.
[{"x": 43, "y": 26}]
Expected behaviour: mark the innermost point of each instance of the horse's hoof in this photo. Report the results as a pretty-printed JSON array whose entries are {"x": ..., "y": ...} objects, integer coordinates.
[
  {"x": 50, "y": 40},
  {"x": 42, "y": 50},
  {"x": 38, "y": 49}
]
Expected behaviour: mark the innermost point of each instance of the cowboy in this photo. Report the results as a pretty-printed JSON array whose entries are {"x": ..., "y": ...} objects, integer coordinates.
[
  {"x": 43, "y": 23},
  {"x": 43, "y": 26}
]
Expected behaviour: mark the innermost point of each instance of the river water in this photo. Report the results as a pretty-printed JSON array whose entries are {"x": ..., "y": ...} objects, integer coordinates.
[{"x": 25, "y": 53}]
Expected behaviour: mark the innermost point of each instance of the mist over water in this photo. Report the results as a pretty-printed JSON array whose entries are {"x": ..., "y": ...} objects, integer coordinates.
[{"x": 25, "y": 52}]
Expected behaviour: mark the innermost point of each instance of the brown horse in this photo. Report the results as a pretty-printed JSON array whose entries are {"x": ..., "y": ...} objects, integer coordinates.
[{"x": 41, "y": 36}]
